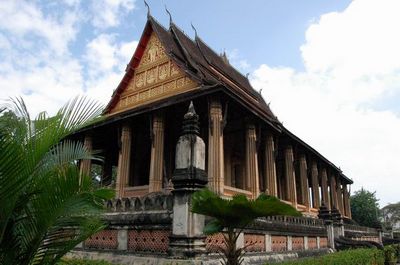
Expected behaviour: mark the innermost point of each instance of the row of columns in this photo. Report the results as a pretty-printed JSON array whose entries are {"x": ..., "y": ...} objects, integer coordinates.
[{"x": 338, "y": 197}]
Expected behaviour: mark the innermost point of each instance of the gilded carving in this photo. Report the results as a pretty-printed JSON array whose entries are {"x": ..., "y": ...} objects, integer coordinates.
[
  {"x": 151, "y": 75},
  {"x": 140, "y": 80},
  {"x": 180, "y": 82},
  {"x": 169, "y": 86},
  {"x": 163, "y": 71},
  {"x": 154, "y": 51},
  {"x": 155, "y": 77},
  {"x": 174, "y": 70}
]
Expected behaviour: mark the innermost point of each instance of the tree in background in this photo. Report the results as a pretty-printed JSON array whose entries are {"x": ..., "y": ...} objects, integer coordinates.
[
  {"x": 391, "y": 216},
  {"x": 47, "y": 206},
  {"x": 231, "y": 216},
  {"x": 365, "y": 208}
]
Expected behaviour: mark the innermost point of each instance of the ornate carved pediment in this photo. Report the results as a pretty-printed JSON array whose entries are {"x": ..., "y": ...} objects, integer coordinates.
[{"x": 156, "y": 77}]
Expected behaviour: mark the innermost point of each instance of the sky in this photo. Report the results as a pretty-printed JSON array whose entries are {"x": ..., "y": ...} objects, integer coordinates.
[{"x": 330, "y": 69}]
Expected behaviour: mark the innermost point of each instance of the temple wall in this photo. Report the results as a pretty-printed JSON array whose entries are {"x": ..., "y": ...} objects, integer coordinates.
[{"x": 143, "y": 225}]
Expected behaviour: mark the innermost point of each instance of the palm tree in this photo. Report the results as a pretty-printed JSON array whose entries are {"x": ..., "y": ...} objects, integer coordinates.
[
  {"x": 231, "y": 216},
  {"x": 47, "y": 206}
]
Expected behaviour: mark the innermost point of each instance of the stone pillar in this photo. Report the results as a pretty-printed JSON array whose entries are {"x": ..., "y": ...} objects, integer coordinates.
[
  {"x": 332, "y": 187},
  {"x": 122, "y": 239},
  {"x": 270, "y": 166},
  {"x": 157, "y": 154},
  {"x": 124, "y": 159},
  {"x": 304, "y": 181},
  {"x": 215, "y": 148},
  {"x": 86, "y": 164},
  {"x": 339, "y": 195},
  {"x": 290, "y": 182},
  {"x": 252, "y": 178},
  {"x": 187, "y": 239},
  {"x": 315, "y": 185},
  {"x": 324, "y": 188}
]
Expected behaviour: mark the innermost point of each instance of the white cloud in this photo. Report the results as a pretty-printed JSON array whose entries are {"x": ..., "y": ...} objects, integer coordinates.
[
  {"x": 26, "y": 21},
  {"x": 108, "y": 13},
  {"x": 352, "y": 61},
  {"x": 38, "y": 64},
  {"x": 106, "y": 61}
]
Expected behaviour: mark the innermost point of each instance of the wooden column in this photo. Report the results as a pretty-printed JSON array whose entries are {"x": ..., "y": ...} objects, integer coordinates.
[
  {"x": 215, "y": 148},
  {"x": 290, "y": 182},
  {"x": 86, "y": 164},
  {"x": 124, "y": 160},
  {"x": 339, "y": 195},
  {"x": 157, "y": 154},
  {"x": 315, "y": 185},
  {"x": 332, "y": 187},
  {"x": 346, "y": 201},
  {"x": 270, "y": 167},
  {"x": 305, "y": 199},
  {"x": 252, "y": 178},
  {"x": 324, "y": 188}
]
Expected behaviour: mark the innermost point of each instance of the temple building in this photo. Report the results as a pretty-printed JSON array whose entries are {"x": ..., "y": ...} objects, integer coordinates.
[{"x": 248, "y": 150}]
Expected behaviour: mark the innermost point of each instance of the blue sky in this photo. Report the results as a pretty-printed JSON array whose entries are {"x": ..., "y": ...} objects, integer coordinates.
[{"x": 331, "y": 69}]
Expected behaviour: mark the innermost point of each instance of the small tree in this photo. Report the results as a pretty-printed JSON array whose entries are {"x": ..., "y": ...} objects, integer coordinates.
[
  {"x": 47, "y": 206},
  {"x": 231, "y": 216},
  {"x": 365, "y": 208}
]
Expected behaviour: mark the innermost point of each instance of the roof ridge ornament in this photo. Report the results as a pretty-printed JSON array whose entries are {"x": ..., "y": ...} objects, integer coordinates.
[
  {"x": 195, "y": 31},
  {"x": 170, "y": 16},
  {"x": 148, "y": 8}
]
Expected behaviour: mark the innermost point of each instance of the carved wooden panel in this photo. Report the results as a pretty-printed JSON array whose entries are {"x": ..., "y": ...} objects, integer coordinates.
[{"x": 156, "y": 77}]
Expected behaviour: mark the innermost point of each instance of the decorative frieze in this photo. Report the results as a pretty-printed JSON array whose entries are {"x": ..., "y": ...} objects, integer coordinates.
[{"x": 156, "y": 77}]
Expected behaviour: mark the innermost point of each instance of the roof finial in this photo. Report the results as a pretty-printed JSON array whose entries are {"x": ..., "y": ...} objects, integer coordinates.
[
  {"x": 169, "y": 14},
  {"x": 195, "y": 31},
  {"x": 148, "y": 8}
]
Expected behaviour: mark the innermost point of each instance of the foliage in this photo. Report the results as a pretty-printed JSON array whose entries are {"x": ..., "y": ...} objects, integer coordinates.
[
  {"x": 391, "y": 214},
  {"x": 370, "y": 256},
  {"x": 233, "y": 215},
  {"x": 365, "y": 208},
  {"x": 391, "y": 253},
  {"x": 83, "y": 262},
  {"x": 47, "y": 206}
]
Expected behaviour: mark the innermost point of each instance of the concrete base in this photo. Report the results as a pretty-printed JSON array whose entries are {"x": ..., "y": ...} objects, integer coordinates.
[{"x": 211, "y": 259}]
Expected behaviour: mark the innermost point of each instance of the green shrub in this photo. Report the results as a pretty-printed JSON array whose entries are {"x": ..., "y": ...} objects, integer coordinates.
[
  {"x": 390, "y": 253},
  {"x": 348, "y": 257},
  {"x": 83, "y": 262}
]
